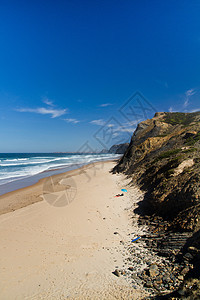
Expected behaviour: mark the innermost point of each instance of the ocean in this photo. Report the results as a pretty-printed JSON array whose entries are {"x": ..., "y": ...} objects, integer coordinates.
[{"x": 18, "y": 170}]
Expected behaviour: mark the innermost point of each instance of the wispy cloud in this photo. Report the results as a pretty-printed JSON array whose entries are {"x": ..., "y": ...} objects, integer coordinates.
[
  {"x": 188, "y": 94},
  {"x": 171, "y": 109},
  {"x": 105, "y": 104},
  {"x": 194, "y": 110},
  {"x": 73, "y": 121},
  {"x": 44, "y": 111},
  {"x": 127, "y": 127},
  {"x": 99, "y": 122},
  {"x": 48, "y": 102}
]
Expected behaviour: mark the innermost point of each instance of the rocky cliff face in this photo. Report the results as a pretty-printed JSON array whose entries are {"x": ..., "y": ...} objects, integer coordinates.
[
  {"x": 163, "y": 157},
  {"x": 117, "y": 149}
]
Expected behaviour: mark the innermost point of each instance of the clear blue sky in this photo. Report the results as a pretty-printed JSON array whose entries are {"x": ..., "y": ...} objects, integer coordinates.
[{"x": 67, "y": 67}]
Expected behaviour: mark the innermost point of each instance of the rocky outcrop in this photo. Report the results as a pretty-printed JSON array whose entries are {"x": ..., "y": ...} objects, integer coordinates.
[
  {"x": 117, "y": 149},
  {"x": 163, "y": 158}
]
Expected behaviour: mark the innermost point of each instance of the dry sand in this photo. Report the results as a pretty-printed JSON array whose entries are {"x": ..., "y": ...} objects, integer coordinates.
[{"x": 64, "y": 246}]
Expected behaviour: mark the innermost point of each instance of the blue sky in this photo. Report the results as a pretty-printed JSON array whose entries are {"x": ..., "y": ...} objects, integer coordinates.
[{"x": 69, "y": 68}]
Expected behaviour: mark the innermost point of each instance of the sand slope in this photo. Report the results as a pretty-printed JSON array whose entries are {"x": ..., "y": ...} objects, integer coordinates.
[{"x": 68, "y": 252}]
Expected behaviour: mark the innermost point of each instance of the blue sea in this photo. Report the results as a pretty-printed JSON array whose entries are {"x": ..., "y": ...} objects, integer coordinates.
[{"x": 18, "y": 170}]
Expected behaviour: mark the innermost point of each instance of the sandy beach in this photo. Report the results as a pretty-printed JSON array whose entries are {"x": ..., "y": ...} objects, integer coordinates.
[{"x": 59, "y": 241}]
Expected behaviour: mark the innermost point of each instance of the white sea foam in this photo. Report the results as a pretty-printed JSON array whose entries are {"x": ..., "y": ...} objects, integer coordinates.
[{"x": 17, "y": 168}]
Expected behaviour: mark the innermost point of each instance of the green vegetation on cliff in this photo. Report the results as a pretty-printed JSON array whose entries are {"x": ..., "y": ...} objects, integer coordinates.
[{"x": 177, "y": 118}]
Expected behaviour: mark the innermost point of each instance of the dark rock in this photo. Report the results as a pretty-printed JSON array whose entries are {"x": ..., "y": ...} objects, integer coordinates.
[
  {"x": 123, "y": 272},
  {"x": 188, "y": 256},
  {"x": 158, "y": 280},
  {"x": 148, "y": 284},
  {"x": 156, "y": 286},
  {"x": 167, "y": 279},
  {"x": 116, "y": 273},
  {"x": 117, "y": 149},
  {"x": 181, "y": 292}
]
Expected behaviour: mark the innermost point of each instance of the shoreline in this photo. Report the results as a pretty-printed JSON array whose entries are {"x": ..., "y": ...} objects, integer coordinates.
[
  {"x": 19, "y": 184},
  {"x": 69, "y": 251},
  {"x": 16, "y": 199},
  {"x": 75, "y": 241},
  {"x": 29, "y": 180}
]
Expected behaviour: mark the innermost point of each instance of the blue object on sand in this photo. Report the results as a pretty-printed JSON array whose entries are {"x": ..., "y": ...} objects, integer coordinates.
[
  {"x": 136, "y": 239},
  {"x": 124, "y": 190}
]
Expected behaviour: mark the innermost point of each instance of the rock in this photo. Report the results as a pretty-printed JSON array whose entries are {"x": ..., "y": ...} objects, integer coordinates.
[
  {"x": 181, "y": 292},
  {"x": 180, "y": 277},
  {"x": 153, "y": 270},
  {"x": 167, "y": 279},
  {"x": 193, "y": 250},
  {"x": 156, "y": 286},
  {"x": 123, "y": 272},
  {"x": 116, "y": 273},
  {"x": 131, "y": 268},
  {"x": 185, "y": 270},
  {"x": 188, "y": 256},
  {"x": 173, "y": 278},
  {"x": 158, "y": 147},
  {"x": 148, "y": 284},
  {"x": 117, "y": 149},
  {"x": 116, "y": 232},
  {"x": 158, "y": 280}
]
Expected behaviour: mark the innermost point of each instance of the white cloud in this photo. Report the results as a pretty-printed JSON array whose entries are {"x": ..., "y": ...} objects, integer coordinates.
[
  {"x": 121, "y": 129},
  {"x": 105, "y": 104},
  {"x": 171, "y": 109},
  {"x": 99, "y": 122},
  {"x": 131, "y": 123},
  {"x": 186, "y": 102},
  {"x": 74, "y": 121},
  {"x": 188, "y": 94},
  {"x": 126, "y": 128},
  {"x": 48, "y": 102},
  {"x": 44, "y": 111}
]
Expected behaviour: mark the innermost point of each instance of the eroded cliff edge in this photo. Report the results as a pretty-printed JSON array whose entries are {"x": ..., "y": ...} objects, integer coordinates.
[{"x": 163, "y": 158}]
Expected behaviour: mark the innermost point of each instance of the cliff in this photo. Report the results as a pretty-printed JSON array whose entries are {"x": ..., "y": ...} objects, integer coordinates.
[
  {"x": 117, "y": 149},
  {"x": 163, "y": 158}
]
